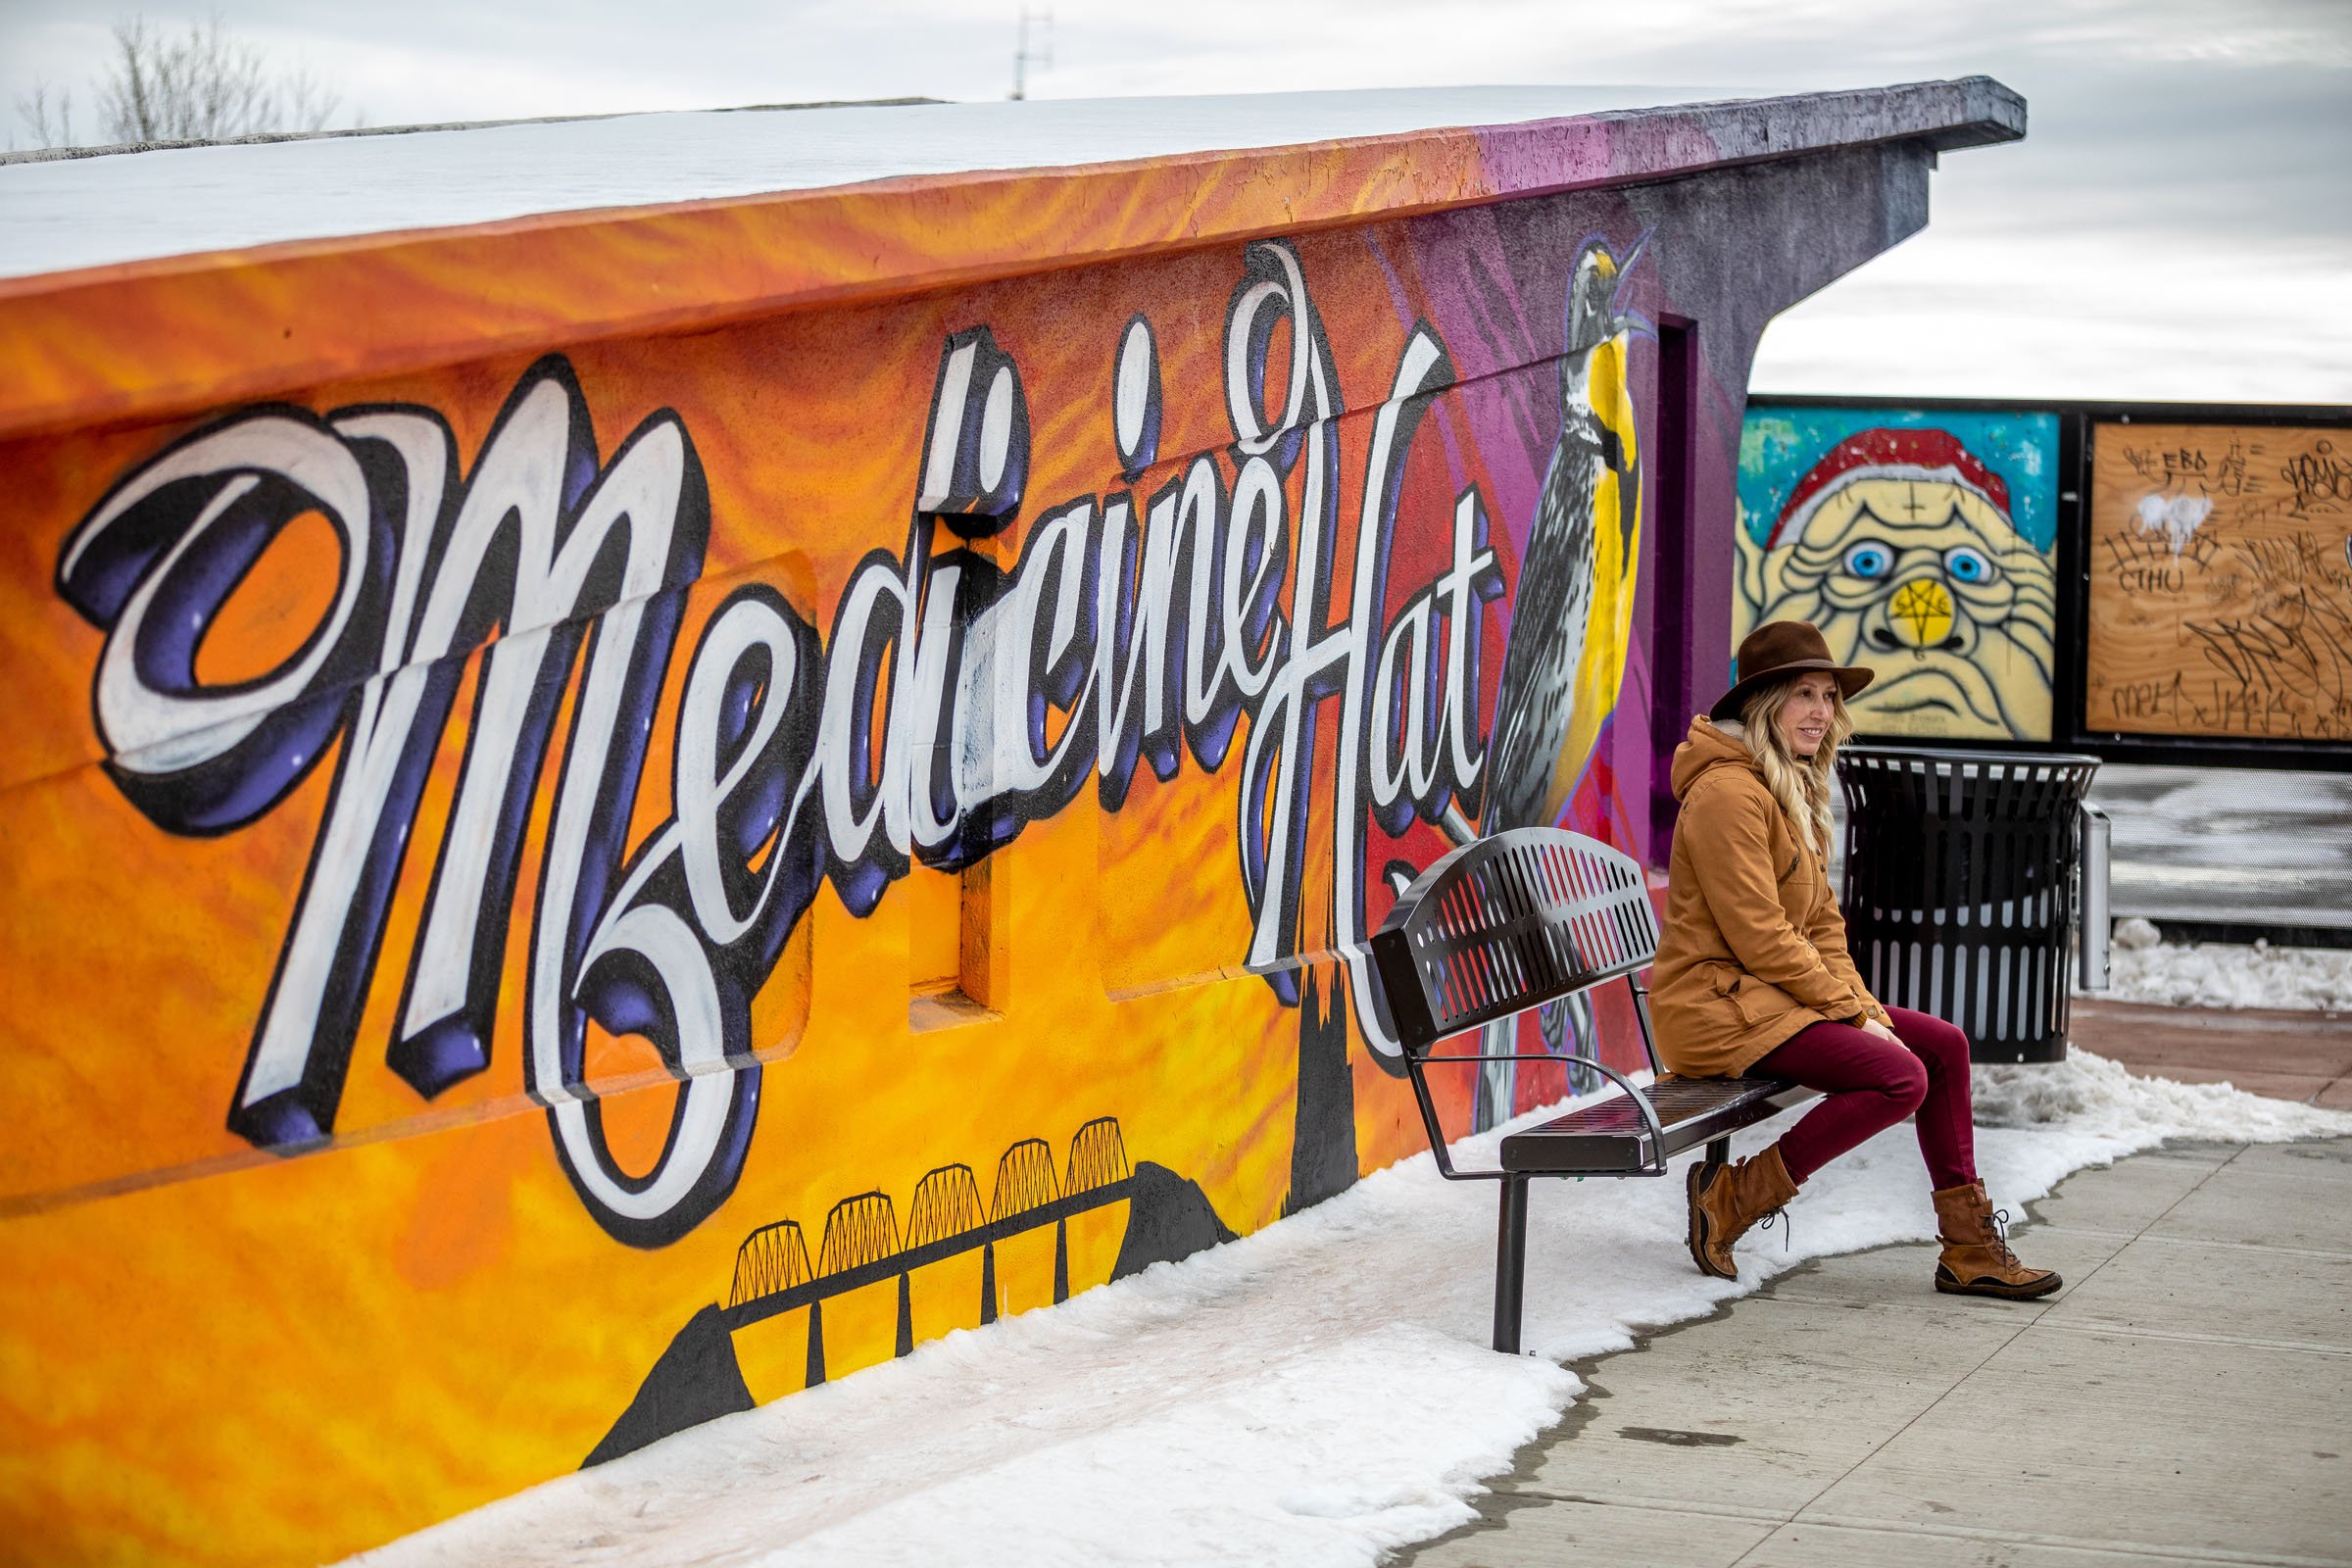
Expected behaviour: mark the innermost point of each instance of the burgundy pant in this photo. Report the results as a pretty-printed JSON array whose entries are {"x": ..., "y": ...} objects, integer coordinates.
[{"x": 1872, "y": 1084}]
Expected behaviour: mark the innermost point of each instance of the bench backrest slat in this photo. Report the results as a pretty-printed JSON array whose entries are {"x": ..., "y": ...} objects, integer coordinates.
[{"x": 1508, "y": 922}]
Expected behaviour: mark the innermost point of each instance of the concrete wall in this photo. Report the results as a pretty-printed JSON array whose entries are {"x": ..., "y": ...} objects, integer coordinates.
[{"x": 551, "y": 893}]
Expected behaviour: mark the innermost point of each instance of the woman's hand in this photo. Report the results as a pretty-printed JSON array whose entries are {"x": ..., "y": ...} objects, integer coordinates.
[{"x": 1872, "y": 1026}]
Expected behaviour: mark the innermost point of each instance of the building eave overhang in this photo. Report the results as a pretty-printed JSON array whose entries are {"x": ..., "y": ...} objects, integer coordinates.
[{"x": 163, "y": 337}]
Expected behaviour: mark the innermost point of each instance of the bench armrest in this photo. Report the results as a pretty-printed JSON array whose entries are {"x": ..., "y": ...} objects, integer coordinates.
[{"x": 1436, "y": 1137}]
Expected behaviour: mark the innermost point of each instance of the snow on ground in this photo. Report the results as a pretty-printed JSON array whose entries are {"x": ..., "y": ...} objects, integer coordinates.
[
  {"x": 1314, "y": 1393},
  {"x": 2143, "y": 968}
]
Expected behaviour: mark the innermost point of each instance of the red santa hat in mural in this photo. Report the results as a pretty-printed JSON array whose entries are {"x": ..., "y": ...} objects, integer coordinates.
[{"x": 1920, "y": 456}]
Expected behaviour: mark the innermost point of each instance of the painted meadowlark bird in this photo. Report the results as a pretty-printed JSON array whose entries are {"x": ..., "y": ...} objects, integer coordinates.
[
  {"x": 1574, "y": 606},
  {"x": 1570, "y": 619}
]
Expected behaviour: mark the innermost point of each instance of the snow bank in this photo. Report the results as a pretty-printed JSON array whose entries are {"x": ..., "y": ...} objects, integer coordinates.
[
  {"x": 2091, "y": 1096},
  {"x": 1318, "y": 1393},
  {"x": 2142, "y": 967}
]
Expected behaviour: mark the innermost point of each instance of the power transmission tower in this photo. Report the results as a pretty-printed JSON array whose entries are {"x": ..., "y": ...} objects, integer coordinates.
[{"x": 1023, "y": 57}]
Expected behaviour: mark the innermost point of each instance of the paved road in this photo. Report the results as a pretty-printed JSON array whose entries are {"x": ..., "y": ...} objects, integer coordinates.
[
  {"x": 2188, "y": 1398},
  {"x": 2226, "y": 844},
  {"x": 2229, "y": 844}
]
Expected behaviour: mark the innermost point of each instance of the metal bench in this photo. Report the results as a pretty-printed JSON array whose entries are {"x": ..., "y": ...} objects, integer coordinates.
[{"x": 1513, "y": 921}]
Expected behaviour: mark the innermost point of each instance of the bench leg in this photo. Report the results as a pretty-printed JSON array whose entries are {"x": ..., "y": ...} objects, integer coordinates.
[
  {"x": 1719, "y": 1154},
  {"x": 1510, "y": 1263}
]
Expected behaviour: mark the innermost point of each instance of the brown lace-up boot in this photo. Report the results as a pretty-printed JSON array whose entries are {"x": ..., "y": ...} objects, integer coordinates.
[
  {"x": 1725, "y": 1202},
  {"x": 1977, "y": 1260}
]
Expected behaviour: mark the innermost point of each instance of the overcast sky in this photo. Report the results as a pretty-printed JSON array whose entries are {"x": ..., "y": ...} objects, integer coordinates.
[{"x": 2178, "y": 223}]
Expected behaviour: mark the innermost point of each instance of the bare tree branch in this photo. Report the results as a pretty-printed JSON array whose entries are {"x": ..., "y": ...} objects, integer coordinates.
[
  {"x": 50, "y": 116},
  {"x": 204, "y": 86},
  {"x": 304, "y": 103}
]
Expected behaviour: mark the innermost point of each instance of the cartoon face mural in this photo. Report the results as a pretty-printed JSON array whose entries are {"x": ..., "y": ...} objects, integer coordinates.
[{"x": 1909, "y": 545}]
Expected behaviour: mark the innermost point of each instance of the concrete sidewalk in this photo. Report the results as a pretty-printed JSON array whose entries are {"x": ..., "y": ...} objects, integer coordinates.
[{"x": 2188, "y": 1398}]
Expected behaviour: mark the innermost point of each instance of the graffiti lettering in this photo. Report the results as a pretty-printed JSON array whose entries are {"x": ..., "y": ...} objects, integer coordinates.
[
  {"x": 2319, "y": 478},
  {"x": 2146, "y": 562},
  {"x": 793, "y": 763},
  {"x": 2223, "y": 570},
  {"x": 2167, "y": 465}
]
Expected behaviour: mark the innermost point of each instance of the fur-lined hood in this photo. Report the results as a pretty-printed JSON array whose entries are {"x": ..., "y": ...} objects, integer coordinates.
[{"x": 1713, "y": 743}]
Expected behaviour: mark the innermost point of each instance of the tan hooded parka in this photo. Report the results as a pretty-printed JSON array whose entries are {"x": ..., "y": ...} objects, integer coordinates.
[{"x": 1753, "y": 949}]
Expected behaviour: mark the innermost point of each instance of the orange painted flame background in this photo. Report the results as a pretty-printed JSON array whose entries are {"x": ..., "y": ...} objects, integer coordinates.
[{"x": 217, "y": 1355}]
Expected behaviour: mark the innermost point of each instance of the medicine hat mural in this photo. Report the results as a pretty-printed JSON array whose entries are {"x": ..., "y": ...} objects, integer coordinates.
[{"x": 615, "y": 815}]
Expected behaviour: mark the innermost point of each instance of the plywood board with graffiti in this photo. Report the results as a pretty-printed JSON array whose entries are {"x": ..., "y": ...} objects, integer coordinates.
[
  {"x": 2220, "y": 560},
  {"x": 1923, "y": 545}
]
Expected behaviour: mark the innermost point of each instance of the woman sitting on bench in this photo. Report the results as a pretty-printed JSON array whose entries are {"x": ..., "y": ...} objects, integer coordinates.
[{"x": 1753, "y": 974}]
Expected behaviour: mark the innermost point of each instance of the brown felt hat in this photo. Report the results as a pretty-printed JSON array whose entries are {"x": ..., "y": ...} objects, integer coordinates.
[{"x": 1779, "y": 649}]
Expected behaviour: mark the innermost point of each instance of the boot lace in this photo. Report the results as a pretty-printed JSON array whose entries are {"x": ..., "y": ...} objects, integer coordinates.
[
  {"x": 2000, "y": 1237},
  {"x": 1778, "y": 1220}
]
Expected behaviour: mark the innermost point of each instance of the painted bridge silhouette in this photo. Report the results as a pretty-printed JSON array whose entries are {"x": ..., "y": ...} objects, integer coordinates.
[{"x": 863, "y": 1246}]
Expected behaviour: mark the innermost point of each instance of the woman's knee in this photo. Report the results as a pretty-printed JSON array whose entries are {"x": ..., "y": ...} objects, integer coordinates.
[
  {"x": 1906, "y": 1083},
  {"x": 1883, "y": 1071},
  {"x": 1929, "y": 1037}
]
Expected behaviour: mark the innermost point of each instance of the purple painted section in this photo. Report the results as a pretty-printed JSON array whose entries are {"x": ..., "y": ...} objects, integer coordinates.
[
  {"x": 1722, "y": 252},
  {"x": 1633, "y": 145},
  {"x": 1714, "y": 256}
]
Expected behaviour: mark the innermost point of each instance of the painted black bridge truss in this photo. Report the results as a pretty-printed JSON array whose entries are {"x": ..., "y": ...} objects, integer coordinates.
[{"x": 862, "y": 1244}]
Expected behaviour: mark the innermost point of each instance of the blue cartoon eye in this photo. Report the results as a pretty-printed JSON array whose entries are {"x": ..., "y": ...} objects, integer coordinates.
[
  {"x": 1967, "y": 565},
  {"x": 1870, "y": 560}
]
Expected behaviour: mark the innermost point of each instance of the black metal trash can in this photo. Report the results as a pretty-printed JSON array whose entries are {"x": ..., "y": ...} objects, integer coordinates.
[{"x": 1960, "y": 892}]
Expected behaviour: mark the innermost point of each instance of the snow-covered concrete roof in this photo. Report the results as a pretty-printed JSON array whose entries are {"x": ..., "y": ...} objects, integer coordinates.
[
  {"x": 75, "y": 213},
  {"x": 149, "y": 285}
]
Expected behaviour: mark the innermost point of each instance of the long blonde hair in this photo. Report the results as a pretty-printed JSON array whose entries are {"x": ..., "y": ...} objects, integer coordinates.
[{"x": 1800, "y": 784}]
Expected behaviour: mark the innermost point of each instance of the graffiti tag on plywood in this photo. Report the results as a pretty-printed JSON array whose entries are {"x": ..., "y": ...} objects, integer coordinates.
[{"x": 2221, "y": 582}]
